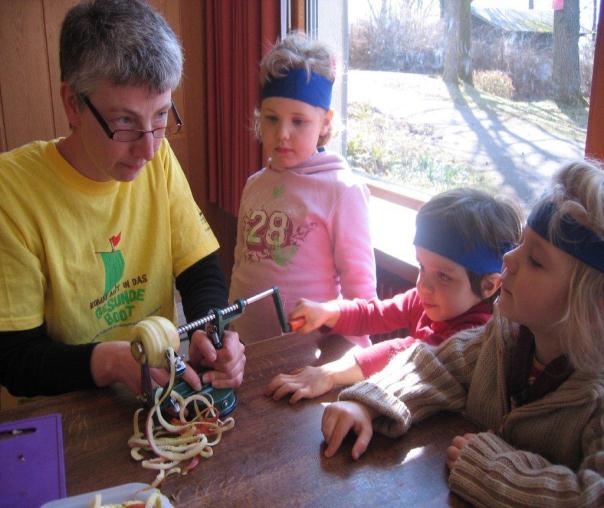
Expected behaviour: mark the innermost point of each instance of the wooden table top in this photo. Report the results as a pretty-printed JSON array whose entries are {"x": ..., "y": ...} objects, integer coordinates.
[{"x": 273, "y": 456}]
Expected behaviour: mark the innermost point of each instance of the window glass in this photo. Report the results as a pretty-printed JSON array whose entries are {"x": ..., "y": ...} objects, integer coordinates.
[{"x": 502, "y": 112}]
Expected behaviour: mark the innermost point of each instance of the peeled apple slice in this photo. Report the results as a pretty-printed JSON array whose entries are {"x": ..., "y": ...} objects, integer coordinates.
[{"x": 155, "y": 334}]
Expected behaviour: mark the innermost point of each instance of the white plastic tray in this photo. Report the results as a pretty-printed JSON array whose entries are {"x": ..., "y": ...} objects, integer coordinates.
[{"x": 119, "y": 494}]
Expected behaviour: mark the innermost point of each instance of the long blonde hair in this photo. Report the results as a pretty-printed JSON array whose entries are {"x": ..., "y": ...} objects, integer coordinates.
[{"x": 578, "y": 190}]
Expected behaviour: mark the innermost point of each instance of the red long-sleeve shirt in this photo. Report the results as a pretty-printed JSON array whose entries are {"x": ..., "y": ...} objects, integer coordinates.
[{"x": 402, "y": 311}]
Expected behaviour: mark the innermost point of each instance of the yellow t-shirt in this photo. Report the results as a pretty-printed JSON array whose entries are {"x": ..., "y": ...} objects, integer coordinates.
[{"x": 92, "y": 258}]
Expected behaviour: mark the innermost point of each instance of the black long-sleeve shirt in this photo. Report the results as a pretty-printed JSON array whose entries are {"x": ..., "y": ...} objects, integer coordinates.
[{"x": 32, "y": 363}]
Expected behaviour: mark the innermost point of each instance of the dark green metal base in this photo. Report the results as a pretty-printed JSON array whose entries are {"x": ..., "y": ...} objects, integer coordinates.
[{"x": 224, "y": 399}]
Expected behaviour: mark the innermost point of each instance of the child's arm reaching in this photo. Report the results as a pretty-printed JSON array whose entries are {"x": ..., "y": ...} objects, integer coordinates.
[
  {"x": 315, "y": 315},
  {"x": 490, "y": 472},
  {"x": 359, "y": 316},
  {"x": 310, "y": 382}
]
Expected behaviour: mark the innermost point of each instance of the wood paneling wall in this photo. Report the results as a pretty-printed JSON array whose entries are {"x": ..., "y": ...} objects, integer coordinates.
[
  {"x": 30, "y": 79},
  {"x": 30, "y": 102}
]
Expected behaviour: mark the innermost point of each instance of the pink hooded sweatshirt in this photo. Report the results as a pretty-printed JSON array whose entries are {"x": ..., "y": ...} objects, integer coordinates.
[{"x": 306, "y": 230}]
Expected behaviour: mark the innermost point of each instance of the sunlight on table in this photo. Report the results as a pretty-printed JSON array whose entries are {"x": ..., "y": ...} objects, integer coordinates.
[{"x": 413, "y": 454}]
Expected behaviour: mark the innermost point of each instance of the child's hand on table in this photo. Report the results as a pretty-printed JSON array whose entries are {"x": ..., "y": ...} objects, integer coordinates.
[
  {"x": 340, "y": 418},
  {"x": 454, "y": 451},
  {"x": 310, "y": 382},
  {"x": 305, "y": 383}
]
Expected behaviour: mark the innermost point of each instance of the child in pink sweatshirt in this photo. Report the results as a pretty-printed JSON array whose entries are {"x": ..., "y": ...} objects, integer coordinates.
[
  {"x": 461, "y": 236},
  {"x": 303, "y": 221}
]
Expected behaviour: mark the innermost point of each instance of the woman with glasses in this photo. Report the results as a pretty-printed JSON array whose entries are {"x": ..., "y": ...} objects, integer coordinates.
[{"x": 96, "y": 228}]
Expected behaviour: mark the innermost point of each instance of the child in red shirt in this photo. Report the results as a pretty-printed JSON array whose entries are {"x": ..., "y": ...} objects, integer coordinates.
[{"x": 461, "y": 236}]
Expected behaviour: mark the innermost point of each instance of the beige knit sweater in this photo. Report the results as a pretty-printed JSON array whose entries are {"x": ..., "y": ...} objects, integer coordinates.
[{"x": 546, "y": 453}]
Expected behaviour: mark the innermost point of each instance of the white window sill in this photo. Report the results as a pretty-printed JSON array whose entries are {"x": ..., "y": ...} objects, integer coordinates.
[{"x": 392, "y": 232}]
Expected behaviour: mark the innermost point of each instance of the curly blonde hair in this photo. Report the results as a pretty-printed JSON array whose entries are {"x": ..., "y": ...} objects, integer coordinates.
[
  {"x": 297, "y": 51},
  {"x": 578, "y": 191}
]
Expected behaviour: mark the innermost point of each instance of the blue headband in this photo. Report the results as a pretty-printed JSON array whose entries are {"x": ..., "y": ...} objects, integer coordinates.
[
  {"x": 575, "y": 239},
  {"x": 437, "y": 236},
  {"x": 296, "y": 84}
]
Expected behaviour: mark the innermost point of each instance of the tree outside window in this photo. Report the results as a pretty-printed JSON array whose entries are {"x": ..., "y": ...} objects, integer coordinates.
[{"x": 445, "y": 93}]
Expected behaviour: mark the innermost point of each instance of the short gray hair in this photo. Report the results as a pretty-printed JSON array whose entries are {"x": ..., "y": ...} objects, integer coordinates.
[{"x": 123, "y": 41}]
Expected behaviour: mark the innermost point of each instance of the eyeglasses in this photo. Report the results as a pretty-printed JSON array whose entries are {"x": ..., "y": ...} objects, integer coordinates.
[{"x": 128, "y": 135}]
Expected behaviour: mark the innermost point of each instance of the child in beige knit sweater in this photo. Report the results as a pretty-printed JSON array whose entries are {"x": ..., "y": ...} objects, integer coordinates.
[{"x": 533, "y": 376}]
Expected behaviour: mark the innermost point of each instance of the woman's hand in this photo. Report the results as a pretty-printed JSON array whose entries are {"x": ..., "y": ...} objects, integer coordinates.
[
  {"x": 112, "y": 362},
  {"x": 226, "y": 365}
]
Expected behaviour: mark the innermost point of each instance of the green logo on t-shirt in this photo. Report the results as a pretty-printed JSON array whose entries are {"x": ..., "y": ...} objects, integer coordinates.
[{"x": 114, "y": 264}]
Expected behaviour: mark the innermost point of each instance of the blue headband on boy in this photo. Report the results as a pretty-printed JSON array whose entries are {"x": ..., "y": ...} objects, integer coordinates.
[
  {"x": 437, "y": 236},
  {"x": 575, "y": 239},
  {"x": 296, "y": 84}
]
